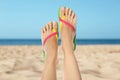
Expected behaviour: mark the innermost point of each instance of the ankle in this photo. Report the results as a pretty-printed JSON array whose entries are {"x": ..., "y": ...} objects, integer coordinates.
[
  {"x": 51, "y": 57},
  {"x": 68, "y": 51},
  {"x": 68, "y": 47}
]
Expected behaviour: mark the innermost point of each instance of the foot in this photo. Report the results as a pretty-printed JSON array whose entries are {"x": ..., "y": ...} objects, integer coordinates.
[
  {"x": 51, "y": 45},
  {"x": 67, "y": 34}
]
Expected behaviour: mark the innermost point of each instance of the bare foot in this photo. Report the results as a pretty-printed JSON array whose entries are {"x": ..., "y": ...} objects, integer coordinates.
[
  {"x": 51, "y": 44},
  {"x": 67, "y": 34}
]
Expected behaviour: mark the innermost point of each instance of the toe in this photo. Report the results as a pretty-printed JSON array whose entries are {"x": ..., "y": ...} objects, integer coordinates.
[
  {"x": 42, "y": 31},
  {"x": 55, "y": 26},
  {"x": 74, "y": 20},
  {"x": 62, "y": 11},
  {"x": 66, "y": 11},
  {"x": 73, "y": 15},
  {"x": 50, "y": 25},
  {"x": 70, "y": 12},
  {"x": 45, "y": 28}
]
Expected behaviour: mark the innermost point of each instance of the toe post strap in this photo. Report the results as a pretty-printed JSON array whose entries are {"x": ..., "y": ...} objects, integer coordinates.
[
  {"x": 49, "y": 36},
  {"x": 67, "y": 23}
]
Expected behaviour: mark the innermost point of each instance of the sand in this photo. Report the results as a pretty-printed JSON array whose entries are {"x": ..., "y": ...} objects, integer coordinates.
[{"x": 96, "y": 62}]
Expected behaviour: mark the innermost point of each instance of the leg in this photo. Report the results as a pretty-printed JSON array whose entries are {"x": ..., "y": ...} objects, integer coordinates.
[
  {"x": 49, "y": 72},
  {"x": 71, "y": 69}
]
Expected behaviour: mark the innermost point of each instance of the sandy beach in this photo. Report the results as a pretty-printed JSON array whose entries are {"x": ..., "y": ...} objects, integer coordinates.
[{"x": 96, "y": 62}]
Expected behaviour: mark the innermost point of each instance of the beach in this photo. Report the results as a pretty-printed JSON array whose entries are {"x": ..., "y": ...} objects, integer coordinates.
[{"x": 96, "y": 62}]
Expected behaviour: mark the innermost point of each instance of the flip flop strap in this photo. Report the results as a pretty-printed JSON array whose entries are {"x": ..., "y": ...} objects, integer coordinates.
[
  {"x": 49, "y": 36},
  {"x": 69, "y": 25}
]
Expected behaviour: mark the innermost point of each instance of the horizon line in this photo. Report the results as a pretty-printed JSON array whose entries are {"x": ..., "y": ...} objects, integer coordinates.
[{"x": 60, "y": 39}]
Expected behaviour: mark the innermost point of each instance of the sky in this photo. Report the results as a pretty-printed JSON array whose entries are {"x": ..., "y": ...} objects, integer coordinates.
[{"x": 23, "y": 19}]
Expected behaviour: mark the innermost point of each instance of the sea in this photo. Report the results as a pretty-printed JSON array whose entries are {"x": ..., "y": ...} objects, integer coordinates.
[{"x": 78, "y": 41}]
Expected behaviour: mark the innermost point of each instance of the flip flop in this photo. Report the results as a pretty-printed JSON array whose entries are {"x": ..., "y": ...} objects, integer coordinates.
[
  {"x": 55, "y": 33},
  {"x": 62, "y": 20}
]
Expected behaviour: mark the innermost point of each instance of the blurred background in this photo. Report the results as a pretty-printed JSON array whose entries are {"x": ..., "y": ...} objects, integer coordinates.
[
  {"x": 98, "y": 27},
  {"x": 97, "y": 19}
]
